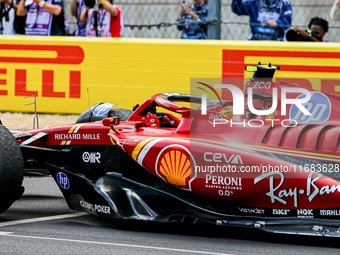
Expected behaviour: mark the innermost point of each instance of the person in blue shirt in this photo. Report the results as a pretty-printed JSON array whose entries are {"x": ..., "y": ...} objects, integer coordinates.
[
  {"x": 268, "y": 18},
  {"x": 189, "y": 14}
]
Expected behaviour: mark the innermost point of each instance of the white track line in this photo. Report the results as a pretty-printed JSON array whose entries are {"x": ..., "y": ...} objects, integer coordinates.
[
  {"x": 55, "y": 217},
  {"x": 116, "y": 244},
  {"x": 64, "y": 216}
]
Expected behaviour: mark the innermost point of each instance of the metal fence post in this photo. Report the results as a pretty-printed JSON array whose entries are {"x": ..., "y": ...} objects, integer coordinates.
[{"x": 214, "y": 14}]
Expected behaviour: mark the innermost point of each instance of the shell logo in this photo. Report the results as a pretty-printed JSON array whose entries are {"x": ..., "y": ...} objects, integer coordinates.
[{"x": 175, "y": 167}]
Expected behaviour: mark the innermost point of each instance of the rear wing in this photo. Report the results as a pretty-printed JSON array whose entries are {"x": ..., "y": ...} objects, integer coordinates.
[{"x": 262, "y": 72}]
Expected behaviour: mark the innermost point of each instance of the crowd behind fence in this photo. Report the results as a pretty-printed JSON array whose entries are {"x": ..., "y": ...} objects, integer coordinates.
[{"x": 157, "y": 18}]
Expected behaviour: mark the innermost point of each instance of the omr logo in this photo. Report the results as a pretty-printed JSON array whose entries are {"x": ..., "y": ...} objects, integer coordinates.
[{"x": 204, "y": 96}]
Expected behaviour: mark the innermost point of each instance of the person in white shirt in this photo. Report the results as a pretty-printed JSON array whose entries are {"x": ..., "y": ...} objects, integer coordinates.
[
  {"x": 43, "y": 17},
  {"x": 109, "y": 20}
]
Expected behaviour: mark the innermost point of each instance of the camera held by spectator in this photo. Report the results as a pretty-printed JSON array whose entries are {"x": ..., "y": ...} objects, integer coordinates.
[
  {"x": 317, "y": 29},
  {"x": 103, "y": 20},
  {"x": 296, "y": 36},
  {"x": 90, "y": 3}
]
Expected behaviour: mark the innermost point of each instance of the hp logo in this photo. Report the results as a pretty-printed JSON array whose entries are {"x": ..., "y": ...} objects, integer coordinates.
[
  {"x": 319, "y": 106},
  {"x": 63, "y": 180}
]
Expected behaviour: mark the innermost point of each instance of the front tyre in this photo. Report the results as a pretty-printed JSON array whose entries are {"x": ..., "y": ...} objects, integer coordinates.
[{"x": 11, "y": 169}]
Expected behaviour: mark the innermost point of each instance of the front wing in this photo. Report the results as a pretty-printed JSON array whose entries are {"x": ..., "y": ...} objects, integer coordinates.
[{"x": 115, "y": 196}]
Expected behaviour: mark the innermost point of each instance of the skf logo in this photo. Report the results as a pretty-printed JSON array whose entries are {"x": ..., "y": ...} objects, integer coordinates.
[
  {"x": 39, "y": 56},
  {"x": 281, "y": 211}
]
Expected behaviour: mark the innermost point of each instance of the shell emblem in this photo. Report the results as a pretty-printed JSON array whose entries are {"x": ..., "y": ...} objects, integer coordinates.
[{"x": 174, "y": 166}]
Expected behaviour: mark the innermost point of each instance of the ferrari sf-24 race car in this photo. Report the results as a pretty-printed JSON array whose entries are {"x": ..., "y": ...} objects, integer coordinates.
[{"x": 166, "y": 161}]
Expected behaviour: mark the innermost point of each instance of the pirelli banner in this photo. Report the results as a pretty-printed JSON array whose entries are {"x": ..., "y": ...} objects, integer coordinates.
[{"x": 67, "y": 74}]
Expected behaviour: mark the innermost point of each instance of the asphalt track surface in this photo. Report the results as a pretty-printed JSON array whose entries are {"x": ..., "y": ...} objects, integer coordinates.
[{"x": 41, "y": 223}]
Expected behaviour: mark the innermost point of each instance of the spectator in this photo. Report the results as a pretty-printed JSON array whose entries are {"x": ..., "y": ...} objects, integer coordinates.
[
  {"x": 335, "y": 11},
  {"x": 76, "y": 9},
  {"x": 10, "y": 23},
  {"x": 317, "y": 29},
  {"x": 109, "y": 20},
  {"x": 268, "y": 18},
  {"x": 43, "y": 18},
  {"x": 190, "y": 29}
]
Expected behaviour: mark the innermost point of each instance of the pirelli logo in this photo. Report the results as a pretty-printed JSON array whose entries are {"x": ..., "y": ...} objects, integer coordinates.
[{"x": 45, "y": 58}]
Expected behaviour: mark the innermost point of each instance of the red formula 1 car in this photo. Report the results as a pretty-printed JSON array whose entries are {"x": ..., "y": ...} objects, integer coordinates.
[{"x": 166, "y": 161}]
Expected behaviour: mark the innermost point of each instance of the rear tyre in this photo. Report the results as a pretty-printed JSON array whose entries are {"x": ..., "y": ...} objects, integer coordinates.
[{"x": 11, "y": 169}]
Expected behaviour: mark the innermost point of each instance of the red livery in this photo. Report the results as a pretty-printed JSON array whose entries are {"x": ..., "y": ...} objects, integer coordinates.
[{"x": 275, "y": 165}]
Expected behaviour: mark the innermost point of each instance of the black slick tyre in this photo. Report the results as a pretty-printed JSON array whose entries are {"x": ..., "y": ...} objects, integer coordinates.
[{"x": 11, "y": 169}]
